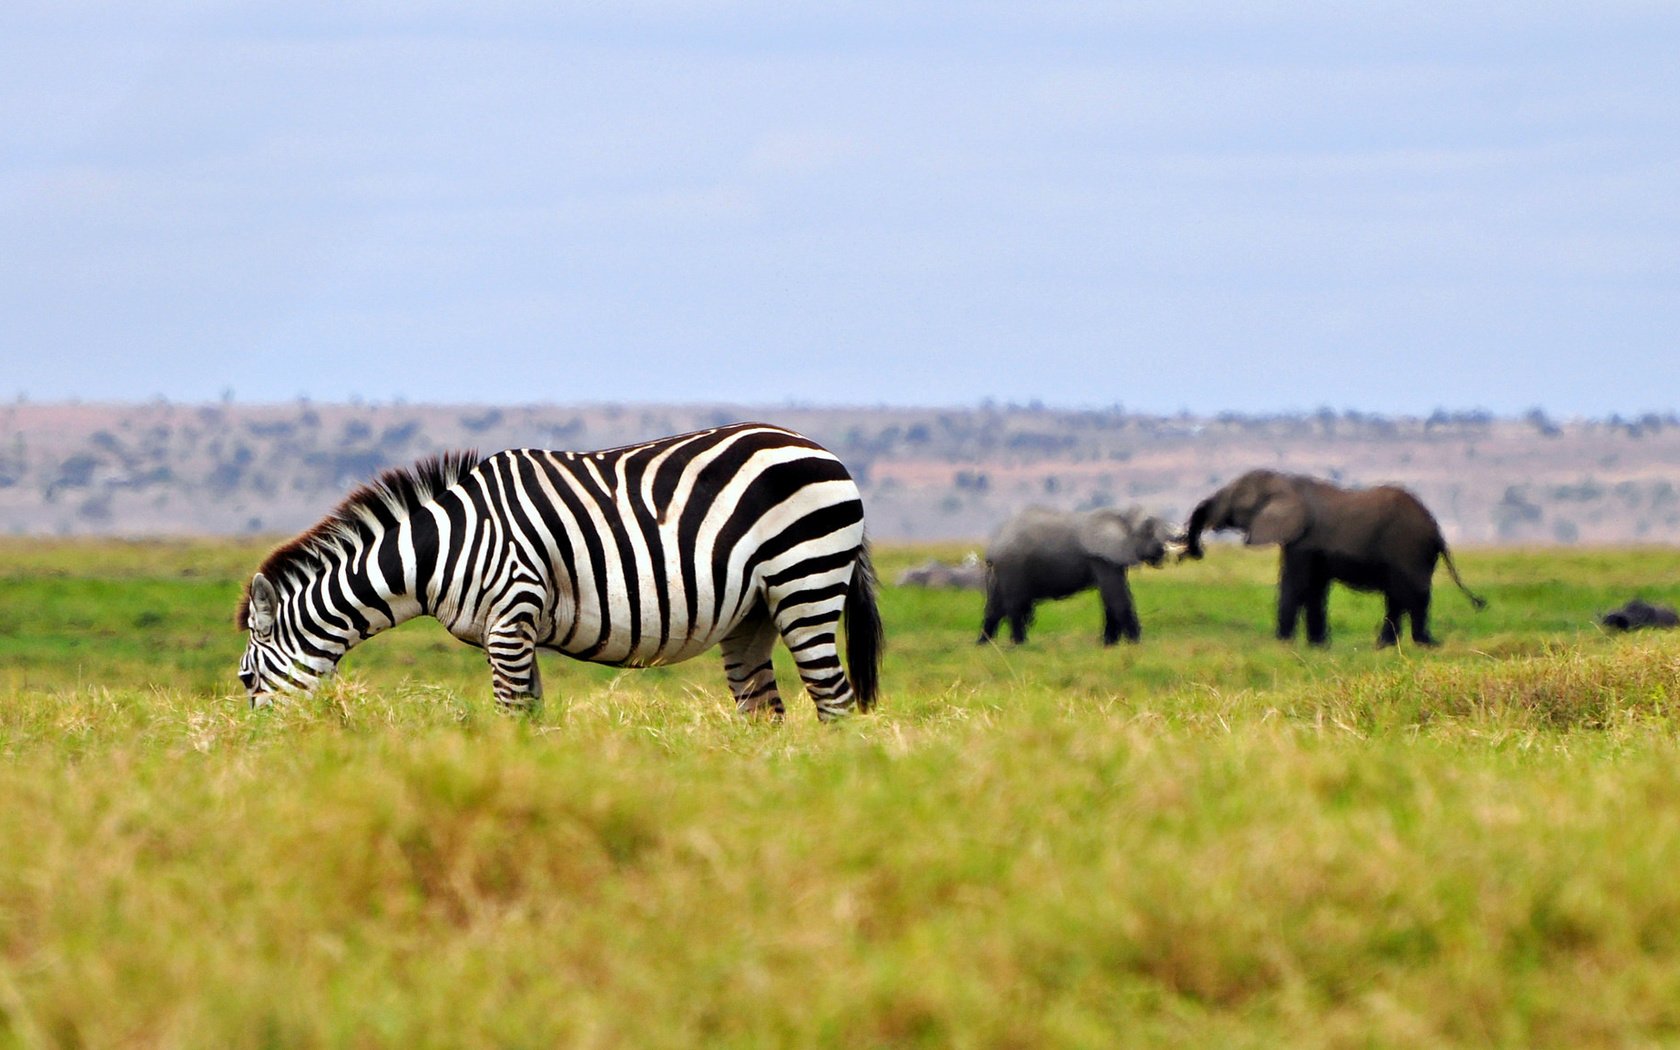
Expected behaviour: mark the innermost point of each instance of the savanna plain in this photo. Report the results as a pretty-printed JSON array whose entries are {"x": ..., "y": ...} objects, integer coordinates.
[{"x": 1210, "y": 838}]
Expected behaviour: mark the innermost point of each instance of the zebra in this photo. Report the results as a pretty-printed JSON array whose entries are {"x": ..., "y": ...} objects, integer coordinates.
[{"x": 634, "y": 556}]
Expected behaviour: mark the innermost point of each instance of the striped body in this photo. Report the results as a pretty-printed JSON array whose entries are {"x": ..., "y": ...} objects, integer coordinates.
[{"x": 634, "y": 556}]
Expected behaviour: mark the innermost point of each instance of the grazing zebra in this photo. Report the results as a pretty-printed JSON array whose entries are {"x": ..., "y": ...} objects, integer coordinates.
[{"x": 634, "y": 556}]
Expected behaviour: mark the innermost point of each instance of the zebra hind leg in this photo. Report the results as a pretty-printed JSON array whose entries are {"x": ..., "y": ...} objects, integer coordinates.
[
  {"x": 513, "y": 667},
  {"x": 747, "y": 665},
  {"x": 813, "y": 640}
]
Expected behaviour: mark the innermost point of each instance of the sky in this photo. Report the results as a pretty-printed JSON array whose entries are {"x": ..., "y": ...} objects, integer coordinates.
[{"x": 1204, "y": 206}]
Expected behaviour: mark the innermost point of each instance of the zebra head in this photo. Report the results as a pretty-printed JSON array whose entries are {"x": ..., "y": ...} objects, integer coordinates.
[{"x": 282, "y": 655}]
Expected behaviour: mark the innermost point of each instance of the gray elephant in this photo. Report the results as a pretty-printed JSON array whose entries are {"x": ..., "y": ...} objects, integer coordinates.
[
  {"x": 1047, "y": 554},
  {"x": 1375, "y": 539}
]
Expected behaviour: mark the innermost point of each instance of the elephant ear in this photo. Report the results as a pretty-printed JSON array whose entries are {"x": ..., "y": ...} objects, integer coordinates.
[
  {"x": 1108, "y": 535},
  {"x": 1281, "y": 519}
]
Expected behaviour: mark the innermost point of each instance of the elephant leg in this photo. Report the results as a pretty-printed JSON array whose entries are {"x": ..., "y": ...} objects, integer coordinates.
[
  {"x": 1020, "y": 617},
  {"x": 1418, "y": 609},
  {"x": 1119, "y": 611},
  {"x": 1394, "y": 607},
  {"x": 1317, "y": 602},
  {"x": 1293, "y": 582},
  {"x": 993, "y": 615}
]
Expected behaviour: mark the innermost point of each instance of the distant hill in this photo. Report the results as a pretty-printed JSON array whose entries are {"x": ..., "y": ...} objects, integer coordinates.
[{"x": 162, "y": 469}]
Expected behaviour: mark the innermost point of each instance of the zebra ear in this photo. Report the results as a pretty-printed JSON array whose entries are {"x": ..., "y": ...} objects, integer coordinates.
[{"x": 265, "y": 603}]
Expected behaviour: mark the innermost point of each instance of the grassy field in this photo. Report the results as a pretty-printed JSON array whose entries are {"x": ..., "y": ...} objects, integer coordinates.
[{"x": 1211, "y": 838}]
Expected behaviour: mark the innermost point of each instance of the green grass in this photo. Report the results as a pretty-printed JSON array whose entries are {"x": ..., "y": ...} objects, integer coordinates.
[{"x": 1208, "y": 839}]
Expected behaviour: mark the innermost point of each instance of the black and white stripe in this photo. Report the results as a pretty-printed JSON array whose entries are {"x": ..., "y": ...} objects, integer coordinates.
[{"x": 635, "y": 556}]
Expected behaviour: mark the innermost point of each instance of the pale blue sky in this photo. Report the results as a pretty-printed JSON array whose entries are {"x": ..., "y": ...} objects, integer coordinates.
[{"x": 1247, "y": 206}]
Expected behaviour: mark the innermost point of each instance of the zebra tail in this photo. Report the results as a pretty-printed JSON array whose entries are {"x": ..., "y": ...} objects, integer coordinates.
[{"x": 864, "y": 635}]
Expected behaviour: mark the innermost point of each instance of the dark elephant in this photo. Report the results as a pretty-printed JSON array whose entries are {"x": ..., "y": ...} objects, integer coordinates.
[
  {"x": 1046, "y": 554},
  {"x": 1376, "y": 539}
]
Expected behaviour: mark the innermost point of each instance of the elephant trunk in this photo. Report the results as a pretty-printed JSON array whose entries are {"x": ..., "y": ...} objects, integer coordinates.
[{"x": 1193, "y": 532}]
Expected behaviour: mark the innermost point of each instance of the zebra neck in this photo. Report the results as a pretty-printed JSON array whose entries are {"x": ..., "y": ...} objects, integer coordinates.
[{"x": 375, "y": 588}]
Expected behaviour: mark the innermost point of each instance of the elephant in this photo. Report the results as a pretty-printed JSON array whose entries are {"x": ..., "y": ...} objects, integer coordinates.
[
  {"x": 1048, "y": 554},
  {"x": 1371, "y": 539}
]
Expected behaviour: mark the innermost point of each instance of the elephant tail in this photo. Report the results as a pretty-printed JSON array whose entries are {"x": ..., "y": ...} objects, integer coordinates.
[
  {"x": 1475, "y": 599},
  {"x": 865, "y": 637}
]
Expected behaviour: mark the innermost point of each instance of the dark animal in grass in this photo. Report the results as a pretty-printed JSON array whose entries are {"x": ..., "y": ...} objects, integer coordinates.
[
  {"x": 1047, "y": 554},
  {"x": 1376, "y": 539},
  {"x": 1638, "y": 614}
]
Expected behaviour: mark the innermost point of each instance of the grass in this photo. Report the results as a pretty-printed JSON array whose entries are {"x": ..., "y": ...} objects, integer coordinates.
[{"x": 1207, "y": 839}]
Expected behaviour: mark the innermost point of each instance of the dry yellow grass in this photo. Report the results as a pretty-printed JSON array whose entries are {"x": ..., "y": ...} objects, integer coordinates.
[{"x": 1210, "y": 839}]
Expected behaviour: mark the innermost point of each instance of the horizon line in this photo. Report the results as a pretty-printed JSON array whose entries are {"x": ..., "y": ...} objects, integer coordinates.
[{"x": 1440, "y": 414}]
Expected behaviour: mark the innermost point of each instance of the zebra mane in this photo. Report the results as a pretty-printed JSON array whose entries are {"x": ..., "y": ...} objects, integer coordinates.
[{"x": 398, "y": 492}]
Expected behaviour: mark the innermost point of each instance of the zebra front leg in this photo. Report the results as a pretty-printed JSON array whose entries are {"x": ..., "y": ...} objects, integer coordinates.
[
  {"x": 747, "y": 665},
  {"x": 514, "y": 674}
]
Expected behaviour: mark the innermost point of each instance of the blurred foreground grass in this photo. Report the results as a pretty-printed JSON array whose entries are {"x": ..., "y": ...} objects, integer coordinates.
[{"x": 1207, "y": 839}]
